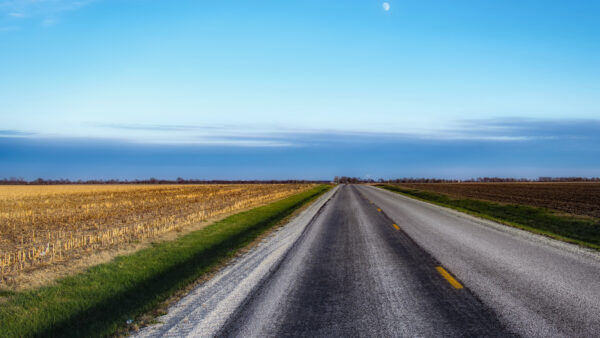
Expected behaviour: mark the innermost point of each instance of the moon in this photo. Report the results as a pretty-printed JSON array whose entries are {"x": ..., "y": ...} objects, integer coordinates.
[{"x": 386, "y": 6}]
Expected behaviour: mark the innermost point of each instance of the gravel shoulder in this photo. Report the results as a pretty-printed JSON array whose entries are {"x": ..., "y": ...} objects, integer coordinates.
[{"x": 206, "y": 308}]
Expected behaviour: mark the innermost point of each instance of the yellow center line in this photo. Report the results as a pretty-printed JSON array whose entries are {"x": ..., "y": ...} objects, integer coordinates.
[
  {"x": 449, "y": 277},
  {"x": 396, "y": 226}
]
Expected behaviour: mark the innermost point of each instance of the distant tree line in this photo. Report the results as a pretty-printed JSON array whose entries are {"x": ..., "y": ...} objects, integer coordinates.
[
  {"x": 569, "y": 179},
  {"x": 345, "y": 179},
  {"x": 41, "y": 181},
  {"x": 337, "y": 179}
]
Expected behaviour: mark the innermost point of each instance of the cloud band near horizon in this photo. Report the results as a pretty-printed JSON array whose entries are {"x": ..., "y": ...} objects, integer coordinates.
[{"x": 507, "y": 148}]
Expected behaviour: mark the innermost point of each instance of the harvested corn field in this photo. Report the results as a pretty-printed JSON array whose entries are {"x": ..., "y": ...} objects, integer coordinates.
[
  {"x": 40, "y": 225},
  {"x": 578, "y": 198}
]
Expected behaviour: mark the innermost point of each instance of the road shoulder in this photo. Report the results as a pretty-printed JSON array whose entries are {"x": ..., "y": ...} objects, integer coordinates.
[{"x": 206, "y": 308}]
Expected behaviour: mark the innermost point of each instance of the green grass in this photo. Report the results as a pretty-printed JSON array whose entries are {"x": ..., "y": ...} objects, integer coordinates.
[
  {"x": 98, "y": 301},
  {"x": 573, "y": 229}
]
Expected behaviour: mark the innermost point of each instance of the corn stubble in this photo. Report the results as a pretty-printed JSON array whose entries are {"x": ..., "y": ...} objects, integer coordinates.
[{"x": 41, "y": 225}]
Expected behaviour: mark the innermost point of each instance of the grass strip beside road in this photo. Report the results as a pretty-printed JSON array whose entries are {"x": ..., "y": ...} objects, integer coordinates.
[
  {"x": 572, "y": 229},
  {"x": 100, "y": 300}
]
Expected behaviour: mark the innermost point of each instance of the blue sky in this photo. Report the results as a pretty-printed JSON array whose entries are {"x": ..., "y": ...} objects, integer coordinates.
[{"x": 299, "y": 89}]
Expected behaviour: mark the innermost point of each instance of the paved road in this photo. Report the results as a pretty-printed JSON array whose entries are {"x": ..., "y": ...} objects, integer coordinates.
[{"x": 367, "y": 262}]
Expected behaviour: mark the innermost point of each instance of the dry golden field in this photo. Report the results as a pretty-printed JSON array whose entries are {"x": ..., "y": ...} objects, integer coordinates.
[{"x": 40, "y": 225}]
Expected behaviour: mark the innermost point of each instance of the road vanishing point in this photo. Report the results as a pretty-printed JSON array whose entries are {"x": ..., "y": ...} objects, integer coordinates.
[{"x": 362, "y": 261}]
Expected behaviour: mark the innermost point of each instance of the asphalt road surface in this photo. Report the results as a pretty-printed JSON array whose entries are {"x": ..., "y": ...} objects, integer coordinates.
[{"x": 362, "y": 261}]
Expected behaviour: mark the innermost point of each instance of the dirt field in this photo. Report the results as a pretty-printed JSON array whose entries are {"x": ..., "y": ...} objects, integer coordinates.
[
  {"x": 575, "y": 198},
  {"x": 43, "y": 225}
]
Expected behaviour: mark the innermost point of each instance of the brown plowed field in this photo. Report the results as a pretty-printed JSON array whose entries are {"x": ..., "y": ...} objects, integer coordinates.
[{"x": 576, "y": 198}]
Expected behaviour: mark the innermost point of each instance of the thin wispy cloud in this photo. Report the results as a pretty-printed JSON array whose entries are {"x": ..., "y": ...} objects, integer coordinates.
[
  {"x": 8, "y": 28},
  {"x": 45, "y": 12},
  {"x": 486, "y": 130},
  {"x": 14, "y": 133},
  {"x": 49, "y": 21},
  {"x": 536, "y": 128}
]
